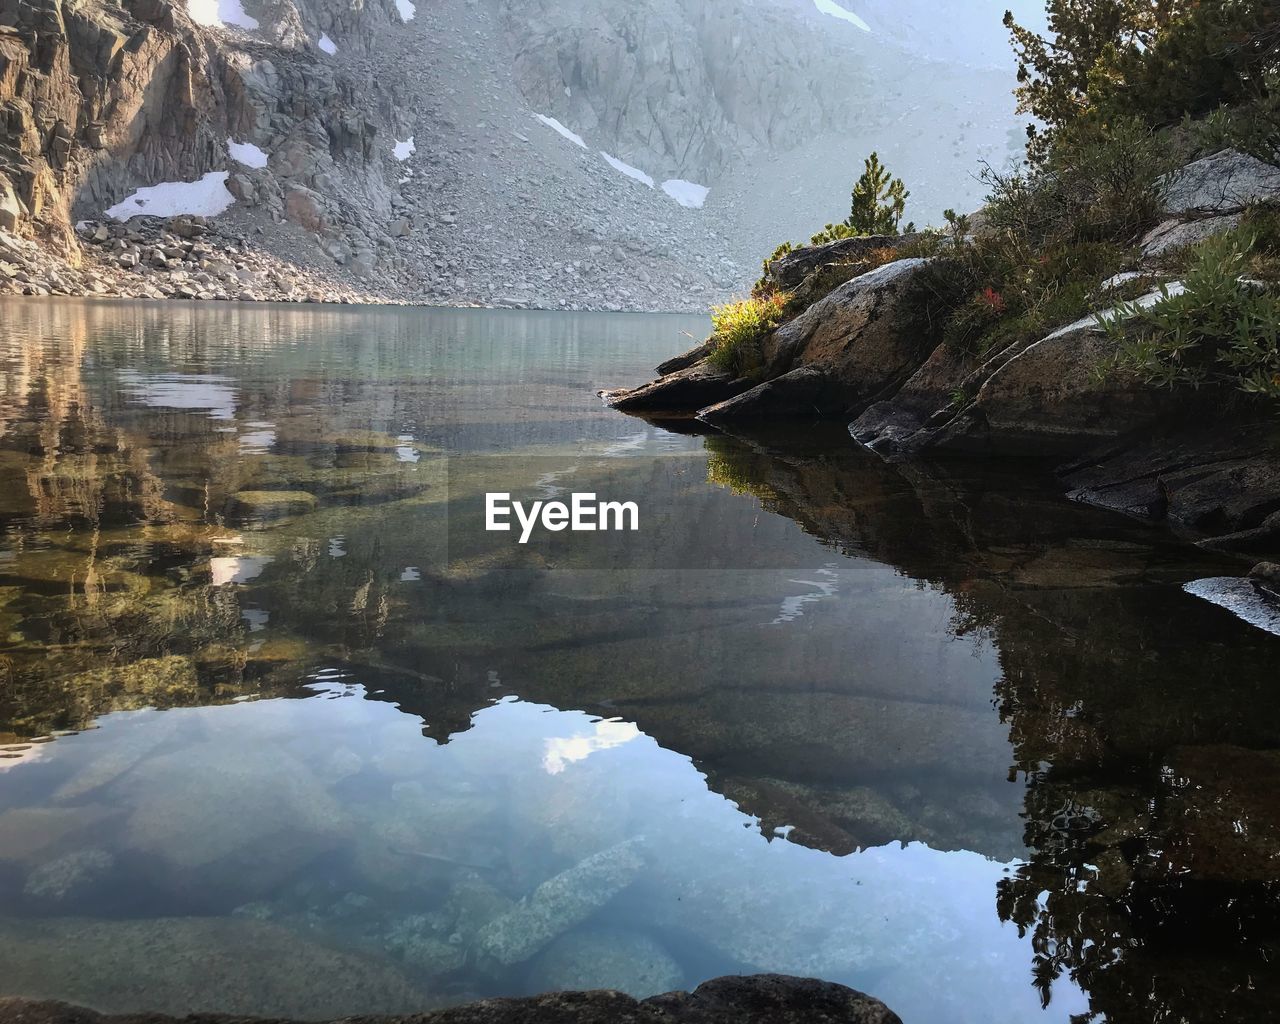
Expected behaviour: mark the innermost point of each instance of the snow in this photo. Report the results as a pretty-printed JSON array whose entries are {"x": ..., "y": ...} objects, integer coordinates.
[
  {"x": 555, "y": 125},
  {"x": 627, "y": 169},
  {"x": 205, "y": 197},
  {"x": 836, "y": 11},
  {"x": 220, "y": 13},
  {"x": 404, "y": 150},
  {"x": 246, "y": 153},
  {"x": 406, "y": 9},
  {"x": 326, "y": 44},
  {"x": 686, "y": 193}
]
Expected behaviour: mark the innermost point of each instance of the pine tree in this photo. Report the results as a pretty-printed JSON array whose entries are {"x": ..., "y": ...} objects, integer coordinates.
[
  {"x": 1156, "y": 60},
  {"x": 879, "y": 201}
]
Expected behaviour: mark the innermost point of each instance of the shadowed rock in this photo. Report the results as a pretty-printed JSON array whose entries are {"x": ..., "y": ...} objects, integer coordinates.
[
  {"x": 805, "y": 391},
  {"x": 682, "y": 391}
]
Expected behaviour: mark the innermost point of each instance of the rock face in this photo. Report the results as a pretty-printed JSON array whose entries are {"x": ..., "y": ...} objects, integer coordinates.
[
  {"x": 759, "y": 999},
  {"x": 865, "y": 335},
  {"x": 668, "y": 85}
]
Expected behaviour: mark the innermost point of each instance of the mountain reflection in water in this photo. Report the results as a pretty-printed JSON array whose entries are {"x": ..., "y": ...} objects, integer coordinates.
[{"x": 933, "y": 732}]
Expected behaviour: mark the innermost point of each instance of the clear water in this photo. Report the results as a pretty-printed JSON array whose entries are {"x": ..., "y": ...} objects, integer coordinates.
[{"x": 284, "y": 731}]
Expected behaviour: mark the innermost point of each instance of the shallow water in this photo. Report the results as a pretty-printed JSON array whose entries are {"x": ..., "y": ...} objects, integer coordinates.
[{"x": 283, "y": 730}]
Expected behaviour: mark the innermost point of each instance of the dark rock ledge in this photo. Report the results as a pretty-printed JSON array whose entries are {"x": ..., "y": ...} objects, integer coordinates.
[{"x": 758, "y": 999}]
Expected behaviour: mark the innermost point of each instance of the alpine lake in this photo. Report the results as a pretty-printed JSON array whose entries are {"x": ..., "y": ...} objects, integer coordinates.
[{"x": 285, "y": 731}]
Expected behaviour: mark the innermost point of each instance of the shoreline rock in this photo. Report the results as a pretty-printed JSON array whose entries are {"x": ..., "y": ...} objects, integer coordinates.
[{"x": 866, "y": 353}]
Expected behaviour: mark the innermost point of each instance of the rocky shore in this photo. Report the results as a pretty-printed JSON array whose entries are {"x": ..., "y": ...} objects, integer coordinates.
[
  {"x": 758, "y": 999},
  {"x": 867, "y": 353},
  {"x": 176, "y": 258}
]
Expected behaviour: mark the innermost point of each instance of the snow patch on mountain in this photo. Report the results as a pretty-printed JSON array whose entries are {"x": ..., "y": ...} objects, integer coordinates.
[
  {"x": 204, "y": 197},
  {"x": 556, "y": 126},
  {"x": 327, "y": 44},
  {"x": 246, "y": 153},
  {"x": 687, "y": 193},
  {"x": 219, "y": 13},
  {"x": 627, "y": 169},
  {"x": 836, "y": 11}
]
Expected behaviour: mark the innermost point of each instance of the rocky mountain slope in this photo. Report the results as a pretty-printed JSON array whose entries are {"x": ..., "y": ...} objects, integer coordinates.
[{"x": 476, "y": 151}]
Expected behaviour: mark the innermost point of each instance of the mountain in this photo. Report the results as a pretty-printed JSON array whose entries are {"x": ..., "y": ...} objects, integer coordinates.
[{"x": 640, "y": 155}]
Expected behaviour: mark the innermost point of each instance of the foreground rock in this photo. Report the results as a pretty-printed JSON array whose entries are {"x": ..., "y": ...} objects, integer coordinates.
[{"x": 761, "y": 999}]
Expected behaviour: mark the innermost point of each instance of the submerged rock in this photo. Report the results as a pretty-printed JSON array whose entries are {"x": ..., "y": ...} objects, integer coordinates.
[
  {"x": 611, "y": 958},
  {"x": 68, "y": 875},
  {"x": 196, "y": 964},
  {"x": 231, "y": 828},
  {"x": 417, "y": 941},
  {"x": 759, "y": 999},
  {"x": 561, "y": 903},
  {"x": 259, "y": 506},
  {"x": 30, "y": 833}
]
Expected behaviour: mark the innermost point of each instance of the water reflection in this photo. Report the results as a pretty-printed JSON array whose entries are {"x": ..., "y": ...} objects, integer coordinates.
[{"x": 866, "y": 657}]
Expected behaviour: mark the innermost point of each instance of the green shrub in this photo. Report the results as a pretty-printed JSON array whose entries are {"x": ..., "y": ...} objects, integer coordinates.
[
  {"x": 761, "y": 286},
  {"x": 834, "y": 233},
  {"x": 1223, "y": 329},
  {"x": 739, "y": 329},
  {"x": 1053, "y": 235}
]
